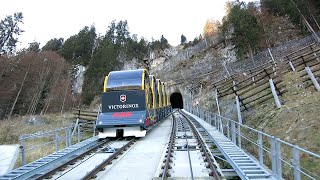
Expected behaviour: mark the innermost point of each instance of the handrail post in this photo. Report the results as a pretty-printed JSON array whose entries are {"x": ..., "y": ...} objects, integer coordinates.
[
  {"x": 67, "y": 136},
  {"x": 78, "y": 133},
  {"x": 23, "y": 150},
  {"x": 239, "y": 120},
  {"x": 221, "y": 125},
  {"x": 233, "y": 132},
  {"x": 57, "y": 140},
  {"x": 197, "y": 111},
  {"x": 239, "y": 136},
  {"x": 216, "y": 122},
  {"x": 70, "y": 136},
  {"x": 260, "y": 148},
  {"x": 94, "y": 129},
  {"x": 279, "y": 161},
  {"x": 273, "y": 156},
  {"x": 296, "y": 163},
  {"x": 228, "y": 129}
]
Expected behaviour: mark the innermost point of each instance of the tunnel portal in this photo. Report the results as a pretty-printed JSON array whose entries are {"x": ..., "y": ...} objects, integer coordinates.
[{"x": 176, "y": 100}]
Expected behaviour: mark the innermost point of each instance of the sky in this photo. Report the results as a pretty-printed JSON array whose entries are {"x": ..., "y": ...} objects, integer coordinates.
[{"x": 47, "y": 19}]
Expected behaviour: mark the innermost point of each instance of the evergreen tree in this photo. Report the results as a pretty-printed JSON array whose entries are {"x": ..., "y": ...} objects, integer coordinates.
[
  {"x": 34, "y": 46},
  {"x": 53, "y": 45},
  {"x": 164, "y": 42},
  {"x": 183, "y": 39},
  {"x": 244, "y": 28},
  {"x": 80, "y": 48},
  {"x": 104, "y": 61},
  {"x": 9, "y": 30}
]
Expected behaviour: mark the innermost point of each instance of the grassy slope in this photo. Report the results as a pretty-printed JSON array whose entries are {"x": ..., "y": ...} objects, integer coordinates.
[{"x": 297, "y": 121}]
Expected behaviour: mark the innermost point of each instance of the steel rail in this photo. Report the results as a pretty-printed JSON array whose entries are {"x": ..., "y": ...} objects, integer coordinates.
[
  {"x": 211, "y": 165},
  {"x": 71, "y": 161},
  {"x": 101, "y": 166},
  {"x": 190, "y": 164},
  {"x": 165, "y": 172}
]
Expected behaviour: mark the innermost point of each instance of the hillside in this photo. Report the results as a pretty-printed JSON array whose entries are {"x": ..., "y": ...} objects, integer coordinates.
[{"x": 198, "y": 75}]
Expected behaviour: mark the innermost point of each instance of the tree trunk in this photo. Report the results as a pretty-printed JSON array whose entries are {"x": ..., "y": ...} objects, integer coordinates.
[
  {"x": 251, "y": 53},
  {"x": 16, "y": 99},
  {"x": 64, "y": 98},
  {"x": 37, "y": 95}
]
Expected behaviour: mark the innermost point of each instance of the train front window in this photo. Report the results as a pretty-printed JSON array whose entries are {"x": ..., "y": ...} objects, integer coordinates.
[
  {"x": 128, "y": 80},
  {"x": 124, "y": 84}
]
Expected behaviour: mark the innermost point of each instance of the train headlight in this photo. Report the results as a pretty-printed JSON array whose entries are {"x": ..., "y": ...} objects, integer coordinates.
[
  {"x": 140, "y": 120},
  {"x": 100, "y": 122}
]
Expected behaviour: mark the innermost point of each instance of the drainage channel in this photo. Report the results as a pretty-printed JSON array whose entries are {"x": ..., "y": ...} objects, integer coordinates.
[{"x": 187, "y": 155}]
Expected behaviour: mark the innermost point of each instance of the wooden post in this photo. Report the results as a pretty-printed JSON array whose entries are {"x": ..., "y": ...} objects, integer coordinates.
[
  {"x": 274, "y": 92},
  {"x": 291, "y": 65},
  {"x": 274, "y": 62},
  {"x": 313, "y": 79}
]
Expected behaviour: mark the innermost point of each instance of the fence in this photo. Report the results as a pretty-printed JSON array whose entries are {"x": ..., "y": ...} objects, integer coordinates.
[
  {"x": 263, "y": 82},
  {"x": 274, "y": 55},
  {"x": 278, "y": 55},
  {"x": 34, "y": 146},
  {"x": 285, "y": 160}
]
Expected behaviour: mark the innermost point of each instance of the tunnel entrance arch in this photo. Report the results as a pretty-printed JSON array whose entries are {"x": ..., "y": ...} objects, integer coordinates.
[{"x": 176, "y": 100}]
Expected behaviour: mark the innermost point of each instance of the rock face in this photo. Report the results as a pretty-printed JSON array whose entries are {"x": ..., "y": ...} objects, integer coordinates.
[{"x": 78, "y": 78}]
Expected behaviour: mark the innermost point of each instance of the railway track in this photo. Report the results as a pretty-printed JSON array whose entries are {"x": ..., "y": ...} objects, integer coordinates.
[
  {"x": 187, "y": 155},
  {"x": 91, "y": 163},
  {"x": 71, "y": 161}
]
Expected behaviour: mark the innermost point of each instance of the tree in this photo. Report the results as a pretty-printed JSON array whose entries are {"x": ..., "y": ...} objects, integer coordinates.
[
  {"x": 9, "y": 30},
  {"x": 243, "y": 27},
  {"x": 79, "y": 48},
  {"x": 183, "y": 39},
  {"x": 53, "y": 45},
  {"x": 195, "y": 41},
  {"x": 122, "y": 32},
  {"x": 36, "y": 83},
  {"x": 104, "y": 61},
  {"x": 210, "y": 28},
  {"x": 34, "y": 46},
  {"x": 296, "y": 10},
  {"x": 136, "y": 49},
  {"x": 164, "y": 42}
]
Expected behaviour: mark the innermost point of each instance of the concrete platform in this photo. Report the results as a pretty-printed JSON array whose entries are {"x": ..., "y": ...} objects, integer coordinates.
[
  {"x": 8, "y": 156},
  {"x": 142, "y": 160}
]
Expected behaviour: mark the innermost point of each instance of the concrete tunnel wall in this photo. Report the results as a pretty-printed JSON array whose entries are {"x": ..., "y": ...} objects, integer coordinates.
[{"x": 176, "y": 100}]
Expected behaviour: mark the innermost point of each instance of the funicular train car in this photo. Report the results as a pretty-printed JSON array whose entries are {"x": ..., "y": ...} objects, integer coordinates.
[
  {"x": 166, "y": 106},
  {"x": 132, "y": 101},
  {"x": 160, "y": 97},
  {"x": 126, "y": 104},
  {"x": 155, "y": 98}
]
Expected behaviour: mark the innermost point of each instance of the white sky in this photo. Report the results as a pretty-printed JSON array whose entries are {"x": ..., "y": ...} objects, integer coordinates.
[{"x": 47, "y": 19}]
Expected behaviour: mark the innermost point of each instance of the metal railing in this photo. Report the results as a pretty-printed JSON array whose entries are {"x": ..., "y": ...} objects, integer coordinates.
[
  {"x": 30, "y": 143},
  {"x": 284, "y": 160}
]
